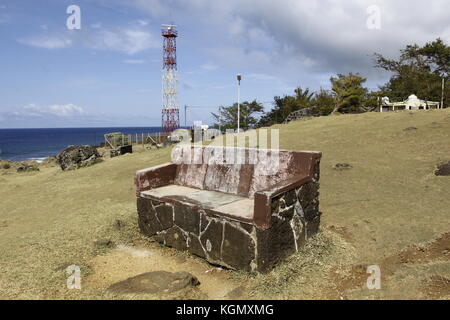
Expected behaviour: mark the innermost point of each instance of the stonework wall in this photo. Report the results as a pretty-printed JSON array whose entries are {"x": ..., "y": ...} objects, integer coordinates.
[{"x": 222, "y": 241}]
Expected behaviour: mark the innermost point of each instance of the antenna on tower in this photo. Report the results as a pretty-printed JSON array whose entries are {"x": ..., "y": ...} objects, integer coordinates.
[{"x": 170, "y": 109}]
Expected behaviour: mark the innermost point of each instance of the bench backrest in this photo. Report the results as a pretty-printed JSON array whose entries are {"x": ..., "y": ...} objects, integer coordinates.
[{"x": 240, "y": 171}]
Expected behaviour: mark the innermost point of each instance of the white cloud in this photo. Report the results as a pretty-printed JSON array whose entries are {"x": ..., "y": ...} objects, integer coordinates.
[
  {"x": 306, "y": 36},
  {"x": 47, "y": 42},
  {"x": 65, "y": 110},
  {"x": 134, "y": 61},
  {"x": 142, "y": 22},
  {"x": 58, "y": 110},
  {"x": 130, "y": 39},
  {"x": 127, "y": 40}
]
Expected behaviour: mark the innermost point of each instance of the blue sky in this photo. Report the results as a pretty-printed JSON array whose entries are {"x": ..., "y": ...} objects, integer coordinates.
[{"x": 108, "y": 73}]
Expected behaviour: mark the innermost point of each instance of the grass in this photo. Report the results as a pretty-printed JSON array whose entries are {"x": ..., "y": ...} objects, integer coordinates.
[
  {"x": 304, "y": 274},
  {"x": 389, "y": 200},
  {"x": 53, "y": 219}
]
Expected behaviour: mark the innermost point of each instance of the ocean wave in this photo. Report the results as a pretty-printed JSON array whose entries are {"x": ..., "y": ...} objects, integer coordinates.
[{"x": 38, "y": 160}]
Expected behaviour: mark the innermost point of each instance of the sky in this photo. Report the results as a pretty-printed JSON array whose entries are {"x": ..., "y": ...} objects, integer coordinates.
[{"x": 108, "y": 72}]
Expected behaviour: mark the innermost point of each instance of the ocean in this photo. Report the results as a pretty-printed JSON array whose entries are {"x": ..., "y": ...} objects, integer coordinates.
[{"x": 38, "y": 144}]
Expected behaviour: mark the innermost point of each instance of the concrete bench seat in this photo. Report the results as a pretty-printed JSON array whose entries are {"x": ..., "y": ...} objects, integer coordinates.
[
  {"x": 239, "y": 208},
  {"x": 212, "y": 202}
]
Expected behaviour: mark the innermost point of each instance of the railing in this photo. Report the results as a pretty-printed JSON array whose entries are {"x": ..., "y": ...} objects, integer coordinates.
[{"x": 116, "y": 140}]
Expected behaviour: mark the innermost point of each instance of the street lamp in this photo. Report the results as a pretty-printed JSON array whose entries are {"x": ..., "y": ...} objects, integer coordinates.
[{"x": 239, "y": 78}]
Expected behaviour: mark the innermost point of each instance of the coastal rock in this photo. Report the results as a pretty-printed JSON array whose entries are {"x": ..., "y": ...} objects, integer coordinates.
[
  {"x": 75, "y": 157},
  {"x": 155, "y": 282}
]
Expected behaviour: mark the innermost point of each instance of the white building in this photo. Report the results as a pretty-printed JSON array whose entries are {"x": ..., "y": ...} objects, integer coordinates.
[{"x": 412, "y": 103}]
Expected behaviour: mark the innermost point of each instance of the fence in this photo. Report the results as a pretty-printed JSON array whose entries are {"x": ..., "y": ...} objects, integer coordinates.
[{"x": 117, "y": 139}]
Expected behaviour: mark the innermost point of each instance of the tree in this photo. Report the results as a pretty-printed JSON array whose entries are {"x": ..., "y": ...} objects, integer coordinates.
[
  {"x": 227, "y": 116},
  {"x": 284, "y": 106},
  {"x": 303, "y": 98},
  {"x": 349, "y": 92},
  {"x": 418, "y": 70},
  {"x": 324, "y": 103},
  {"x": 371, "y": 101},
  {"x": 437, "y": 56}
]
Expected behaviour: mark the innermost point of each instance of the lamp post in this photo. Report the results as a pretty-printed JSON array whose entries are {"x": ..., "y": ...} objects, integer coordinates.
[{"x": 239, "y": 78}]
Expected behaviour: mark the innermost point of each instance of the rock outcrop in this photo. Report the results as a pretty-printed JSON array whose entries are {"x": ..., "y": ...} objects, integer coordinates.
[
  {"x": 443, "y": 170},
  {"x": 75, "y": 157}
]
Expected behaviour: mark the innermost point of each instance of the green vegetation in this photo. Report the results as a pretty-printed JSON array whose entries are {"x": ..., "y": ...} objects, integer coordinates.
[
  {"x": 419, "y": 71},
  {"x": 284, "y": 106},
  {"x": 349, "y": 92},
  {"x": 226, "y": 118}
]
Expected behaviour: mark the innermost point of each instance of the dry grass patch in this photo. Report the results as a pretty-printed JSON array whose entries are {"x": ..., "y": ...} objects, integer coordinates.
[{"x": 388, "y": 201}]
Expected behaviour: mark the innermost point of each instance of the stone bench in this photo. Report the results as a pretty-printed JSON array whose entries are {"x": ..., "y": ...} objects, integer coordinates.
[{"x": 242, "y": 209}]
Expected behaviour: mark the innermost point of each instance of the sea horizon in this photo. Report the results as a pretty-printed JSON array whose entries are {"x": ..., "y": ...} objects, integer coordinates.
[
  {"x": 92, "y": 127},
  {"x": 25, "y": 144}
]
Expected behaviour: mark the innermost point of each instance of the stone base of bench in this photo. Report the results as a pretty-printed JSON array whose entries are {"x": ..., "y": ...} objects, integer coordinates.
[{"x": 230, "y": 243}]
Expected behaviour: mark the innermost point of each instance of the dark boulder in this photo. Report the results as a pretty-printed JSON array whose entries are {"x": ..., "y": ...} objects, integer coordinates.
[
  {"x": 443, "y": 169},
  {"x": 75, "y": 157}
]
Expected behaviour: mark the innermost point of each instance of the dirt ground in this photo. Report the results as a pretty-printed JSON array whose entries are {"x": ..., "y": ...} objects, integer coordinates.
[{"x": 389, "y": 209}]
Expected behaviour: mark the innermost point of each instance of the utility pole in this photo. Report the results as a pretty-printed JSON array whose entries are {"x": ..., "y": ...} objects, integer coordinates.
[
  {"x": 239, "y": 78},
  {"x": 442, "y": 94}
]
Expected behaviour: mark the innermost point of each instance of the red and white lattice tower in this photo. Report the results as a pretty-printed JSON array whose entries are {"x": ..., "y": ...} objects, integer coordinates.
[{"x": 170, "y": 109}]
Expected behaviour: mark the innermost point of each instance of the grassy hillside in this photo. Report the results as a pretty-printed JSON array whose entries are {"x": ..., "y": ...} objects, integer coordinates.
[{"x": 389, "y": 210}]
